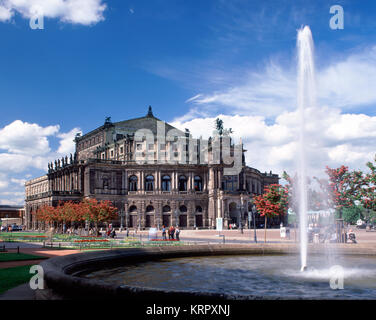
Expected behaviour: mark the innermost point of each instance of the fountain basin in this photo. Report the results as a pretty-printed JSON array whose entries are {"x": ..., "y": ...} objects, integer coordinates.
[{"x": 65, "y": 276}]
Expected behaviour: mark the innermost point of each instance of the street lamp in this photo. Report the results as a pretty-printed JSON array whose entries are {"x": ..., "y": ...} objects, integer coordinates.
[
  {"x": 254, "y": 221},
  {"x": 240, "y": 207},
  {"x": 357, "y": 203},
  {"x": 176, "y": 217},
  {"x": 122, "y": 214}
]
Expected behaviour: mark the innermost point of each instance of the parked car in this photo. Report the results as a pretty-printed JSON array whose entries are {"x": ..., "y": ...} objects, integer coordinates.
[
  {"x": 16, "y": 228},
  {"x": 360, "y": 224}
]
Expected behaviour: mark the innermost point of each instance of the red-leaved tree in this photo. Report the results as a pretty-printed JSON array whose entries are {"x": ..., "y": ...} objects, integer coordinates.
[
  {"x": 346, "y": 186},
  {"x": 98, "y": 211},
  {"x": 274, "y": 202}
]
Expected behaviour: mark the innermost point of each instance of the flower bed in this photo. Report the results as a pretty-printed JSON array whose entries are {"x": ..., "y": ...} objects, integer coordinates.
[
  {"x": 91, "y": 240},
  {"x": 164, "y": 240}
]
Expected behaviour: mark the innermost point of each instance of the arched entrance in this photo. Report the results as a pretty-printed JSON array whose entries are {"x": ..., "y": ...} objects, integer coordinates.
[
  {"x": 166, "y": 216},
  {"x": 183, "y": 218},
  {"x": 132, "y": 217},
  {"x": 234, "y": 213},
  {"x": 198, "y": 217},
  {"x": 149, "y": 219}
]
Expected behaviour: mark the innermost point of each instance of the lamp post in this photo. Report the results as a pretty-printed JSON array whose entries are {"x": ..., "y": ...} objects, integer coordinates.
[
  {"x": 357, "y": 202},
  {"x": 254, "y": 221},
  {"x": 240, "y": 207},
  {"x": 121, "y": 220},
  {"x": 176, "y": 217}
]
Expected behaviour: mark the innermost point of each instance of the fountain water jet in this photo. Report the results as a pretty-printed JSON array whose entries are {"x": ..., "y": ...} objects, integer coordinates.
[{"x": 306, "y": 99}]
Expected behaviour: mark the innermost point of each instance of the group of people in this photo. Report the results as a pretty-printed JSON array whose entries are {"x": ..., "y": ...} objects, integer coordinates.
[
  {"x": 329, "y": 234},
  {"x": 172, "y": 233},
  {"x": 110, "y": 231}
]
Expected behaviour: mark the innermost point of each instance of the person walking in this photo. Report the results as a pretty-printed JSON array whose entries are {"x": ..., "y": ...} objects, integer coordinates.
[
  {"x": 173, "y": 233},
  {"x": 177, "y": 232},
  {"x": 170, "y": 233},
  {"x": 164, "y": 233}
]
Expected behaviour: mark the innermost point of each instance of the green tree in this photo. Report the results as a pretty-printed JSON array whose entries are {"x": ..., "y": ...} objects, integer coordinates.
[{"x": 352, "y": 214}]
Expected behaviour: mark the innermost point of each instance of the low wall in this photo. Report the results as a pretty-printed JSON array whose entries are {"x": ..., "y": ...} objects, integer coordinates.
[{"x": 62, "y": 279}]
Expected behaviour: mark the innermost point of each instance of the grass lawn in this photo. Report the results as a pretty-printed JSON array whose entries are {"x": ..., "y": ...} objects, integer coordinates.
[
  {"x": 12, "y": 277},
  {"x": 12, "y": 256},
  {"x": 20, "y": 234}
]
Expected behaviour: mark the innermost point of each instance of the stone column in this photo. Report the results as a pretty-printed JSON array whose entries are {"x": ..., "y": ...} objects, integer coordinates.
[
  {"x": 126, "y": 217},
  {"x": 190, "y": 187},
  {"x": 142, "y": 181},
  {"x": 173, "y": 178},
  {"x": 156, "y": 181},
  {"x": 125, "y": 174},
  {"x": 219, "y": 179},
  {"x": 211, "y": 179},
  {"x": 220, "y": 209},
  {"x": 80, "y": 179}
]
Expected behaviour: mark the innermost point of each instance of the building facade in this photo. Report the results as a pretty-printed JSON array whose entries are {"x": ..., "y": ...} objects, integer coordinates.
[
  {"x": 12, "y": 214},
  {"x": 154, "y": 174}
]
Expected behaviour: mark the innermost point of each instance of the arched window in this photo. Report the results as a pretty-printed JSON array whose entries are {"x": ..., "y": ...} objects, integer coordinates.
[
  {"x": 198, "y": 183},
  {"x": 149, "y": 209},
  {"x": 133, "y": 183},
  {"x": 198, "y": 209},
  {"x": 166, "y": 209},
  {"x": 166, "y": 183},
  {"x": 182, "y": 183},
  {"x": 183, "y": 209},
  {"x": 132, "y": 209},
  {"x": 105, "y": 182},
  {"x": 149, "y": 183}
]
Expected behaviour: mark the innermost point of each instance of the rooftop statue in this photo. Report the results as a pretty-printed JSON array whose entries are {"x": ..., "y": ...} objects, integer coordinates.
[{"x": 150, "y": 112}]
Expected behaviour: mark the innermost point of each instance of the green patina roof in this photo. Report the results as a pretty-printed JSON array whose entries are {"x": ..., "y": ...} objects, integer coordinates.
[{"x": 149, "y": 121}]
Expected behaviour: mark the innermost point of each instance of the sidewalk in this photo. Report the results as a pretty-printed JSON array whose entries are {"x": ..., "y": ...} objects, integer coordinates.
[{"x": 272, "y": 235}]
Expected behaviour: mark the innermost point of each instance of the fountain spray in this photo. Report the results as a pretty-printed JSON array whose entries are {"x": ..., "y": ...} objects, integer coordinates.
[{"x": 306, "y": 99}]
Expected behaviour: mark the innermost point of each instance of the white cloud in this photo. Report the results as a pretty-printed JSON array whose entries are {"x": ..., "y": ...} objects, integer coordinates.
[
  {"x": 3, "y": 184},
  {"x": 24, "y": 148},
  {"x": 14, "y": 202},
  {"x": 20, "y": 182},
  {"x": 85, "y": 12},
  {"x": 66, "y": 143},
  {"x": 16, "y": 163},
  {"x": 332, "y": 139},
  {"x": 347, "y": 84},
  {"x": 350, "y": 82},
  {"x": 5, "y": 13},
  {"x": 26, "y": 138},
  {"x": 268, "y": 93}
]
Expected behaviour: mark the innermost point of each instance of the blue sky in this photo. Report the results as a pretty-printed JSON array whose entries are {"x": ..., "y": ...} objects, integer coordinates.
[{"x": 190, "y": 60}]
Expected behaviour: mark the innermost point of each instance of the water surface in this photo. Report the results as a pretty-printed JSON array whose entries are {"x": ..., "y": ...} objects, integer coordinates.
[{"x": 271, "y": 276}]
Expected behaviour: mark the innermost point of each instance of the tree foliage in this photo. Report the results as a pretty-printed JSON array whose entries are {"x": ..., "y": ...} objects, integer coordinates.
[
  {"x": 90, "y": 210},
  {"x": 273, "y": 202}
]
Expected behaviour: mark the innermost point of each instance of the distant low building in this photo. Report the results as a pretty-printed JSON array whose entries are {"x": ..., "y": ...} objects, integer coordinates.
[
  {"x": 12, "y": 214},
  {"x": 155, "y": 175}
]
